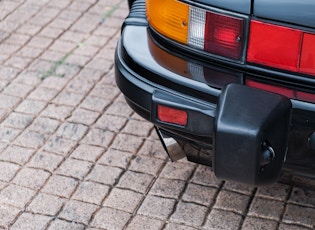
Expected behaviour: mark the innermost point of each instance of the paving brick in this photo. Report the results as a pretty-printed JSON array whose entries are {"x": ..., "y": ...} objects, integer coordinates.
[
  {"x": 83, "y": 116},
  {"x": 138, "y": 182},
  {"x": 77, "y": 211},
  {"x": 29, "y": 52},
  {"x": 106, "y": 91},
  {"x": 91, "y": 192},
  {"x": 55, "y": 58},
  {"x": 68, "y": 98},
  {"x": 59, "y": 145},
  {"x": 65, "y": 225},
  {"x": 29, "y": 106},
  {"x": 78, "y": 60},
  {"x": 8, "y": 171},
  {"x": 59, "y": 112},
  {"x": 29, "y": 220},
  {"x": 16, "y": 196},
  {"x": 74, "y": 168},
  {"x": 167, "y": 188},
  {"x": 157, "y": 207},
  {"x": 40, "y": 42},
  {"x": 189, "y": 213},
  {"x": 44, "y": 125},
  {"x": 19, "y": 63},
  {"x": 8, "y": 102},
  {"x": 108, "y": 218},
  {"x": 16, "y": 154},
  {"x": 110, "y": 122},
  {"x": 205, "y": 176},
  {"x": 176, "y": 226},
  {"x": 87, "y": 152},
  {"x": 7, "y": 135},
  {"x": 127, "y": 143},
  {"x": 49, "y": 32},
  {"x": 240, "y": 188},
  {"x": 7, "y": 215},
  {"x": 86, "y": 50},
  {"x": 144, "y": 222},
  {"x": 302, "y": 196},
  {"x": 72, "y": 131},
  {"x": 232, "y": 201},
  {"x": 54, "y": 83},
  {"x": 138, "y": 128},
  {"x": 60, "y": 23},
  {"x": 104, "y": 174},
  {"x": 283, "y": 226},
  {"x": 60, "y": 186},
  {"x": 146, "y": 165},
  {"x": 265, "y": 208},
  {"x": 18, "y": 120},
  {"x": 46, "y": 204},
  {"x": 79, "y": 85},
  {"x": 119, "y": 108},
  {"x": 31, "y": 178},
  {"x": 45, "y": 160},
  {"x": 124, "y": 200},
  {"x": 43, "y": 94},
  {"x": 69, "y": 15},
  {"x": 219, "y": 219},
  {"x": 199, "y": 194},
  {"x": 178, "y": 170},
  {"x": 98, "y": 137},
  {"x": 31, "y": 139},
  {"x": 116, "y": 158},
  {"x": 251, "y": 223},
  {"x": 301, "y": 215},
  {"x": 275, "y": 191},
  {"x": 28, "y": 77},
  {"x": 153, "y": 148}
]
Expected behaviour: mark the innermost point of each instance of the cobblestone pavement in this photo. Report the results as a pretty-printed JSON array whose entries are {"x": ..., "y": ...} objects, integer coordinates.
[{"x": 74, "y": 156}]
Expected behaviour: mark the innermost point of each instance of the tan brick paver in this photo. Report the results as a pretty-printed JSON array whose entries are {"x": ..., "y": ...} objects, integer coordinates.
[{"x": 73, "y": 155}]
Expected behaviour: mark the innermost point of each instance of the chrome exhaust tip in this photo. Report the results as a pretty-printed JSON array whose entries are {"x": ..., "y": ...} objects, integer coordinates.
[{"x": 171, "y": 146}]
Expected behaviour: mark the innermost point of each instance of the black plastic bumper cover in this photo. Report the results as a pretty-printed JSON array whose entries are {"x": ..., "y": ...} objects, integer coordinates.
[{"x": 251, "y": 135}]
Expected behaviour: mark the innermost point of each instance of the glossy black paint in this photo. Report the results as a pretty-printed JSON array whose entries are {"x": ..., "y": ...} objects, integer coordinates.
[
  {"x": 300, "y": 13},
  {"x": 239, "y": 6}
]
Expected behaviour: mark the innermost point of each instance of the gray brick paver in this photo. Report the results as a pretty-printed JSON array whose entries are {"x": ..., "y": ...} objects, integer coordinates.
[{"x": 72, "y": 155}]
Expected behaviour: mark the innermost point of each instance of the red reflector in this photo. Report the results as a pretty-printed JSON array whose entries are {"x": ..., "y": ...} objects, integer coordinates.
[
  {"x": 171, "y": 115},
  {"x": 271, "y": 88},
  {"x": 223, "y": 35},
  {"x": 274, "y": 46},
  {"x": 307, "y": 63}
]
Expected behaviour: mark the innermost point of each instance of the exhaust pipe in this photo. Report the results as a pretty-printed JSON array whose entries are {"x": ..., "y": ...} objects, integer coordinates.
[{"x": 173, "y": 149}]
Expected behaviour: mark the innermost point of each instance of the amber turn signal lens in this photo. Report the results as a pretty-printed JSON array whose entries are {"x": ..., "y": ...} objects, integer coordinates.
[{"x": 169, "y": 17}]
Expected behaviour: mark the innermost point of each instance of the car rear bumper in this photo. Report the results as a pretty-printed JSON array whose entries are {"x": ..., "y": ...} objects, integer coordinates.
[{"x": 148, "y": 75}]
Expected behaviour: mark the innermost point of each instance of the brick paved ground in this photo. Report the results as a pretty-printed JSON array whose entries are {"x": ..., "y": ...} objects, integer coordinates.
[{"x": 74, "y": 156}]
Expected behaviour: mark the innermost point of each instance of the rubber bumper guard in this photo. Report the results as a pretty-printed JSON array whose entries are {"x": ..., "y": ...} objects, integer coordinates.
[{"x": 251, "y": 135}]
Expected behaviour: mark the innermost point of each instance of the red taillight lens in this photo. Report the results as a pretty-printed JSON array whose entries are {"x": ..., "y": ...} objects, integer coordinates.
[
  {"x": 171, "y": 115},
  {"x": 281, "y": 47},
  {"x": 223, "y": 35},
  {"x": 273, "y": 45},
  {"x": 307, "y": 62}
]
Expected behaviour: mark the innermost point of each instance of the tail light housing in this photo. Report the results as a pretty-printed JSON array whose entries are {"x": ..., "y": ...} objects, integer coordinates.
[
  {"x": 281, "y": 47},
  {"x": 209, "y": 31}
]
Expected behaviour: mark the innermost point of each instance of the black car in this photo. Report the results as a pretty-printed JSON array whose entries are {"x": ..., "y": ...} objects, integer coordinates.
[{"x": 227, "y": 83}]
